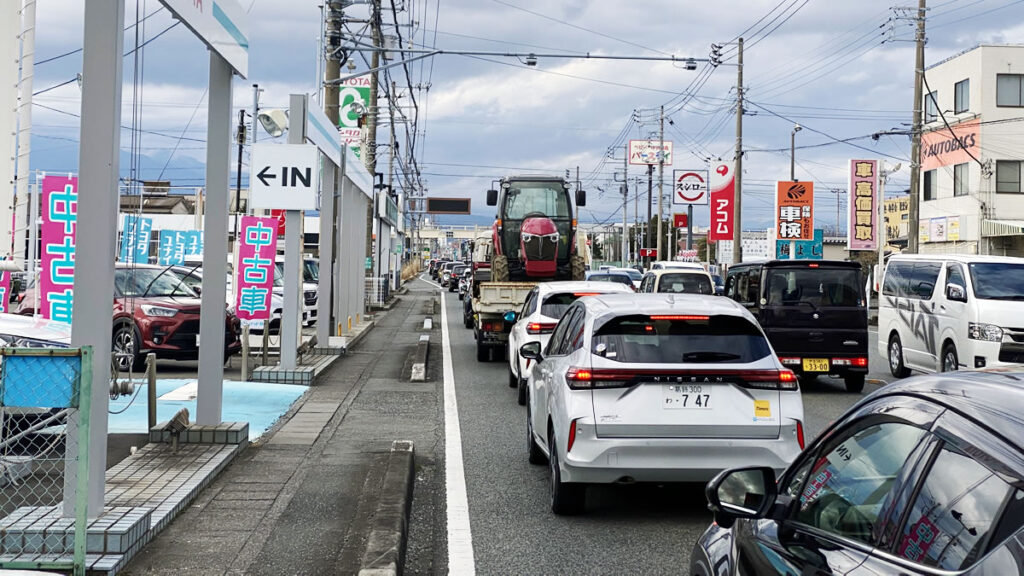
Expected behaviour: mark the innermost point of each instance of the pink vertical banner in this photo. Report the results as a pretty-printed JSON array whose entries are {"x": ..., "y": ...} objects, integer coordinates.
[
  {"x": 59, "y": 209},
  {"x": 862, "y": 232},
  {"x": 255, "y": 279},
  {"x": 5, "y": 291}
]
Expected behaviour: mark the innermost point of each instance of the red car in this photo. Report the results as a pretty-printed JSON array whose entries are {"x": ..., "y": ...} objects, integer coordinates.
[{"x": 154, "y": 311}]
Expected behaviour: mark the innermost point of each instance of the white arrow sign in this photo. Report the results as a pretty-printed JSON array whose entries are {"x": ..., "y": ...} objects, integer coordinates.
[{"x": 284, "y": 177}]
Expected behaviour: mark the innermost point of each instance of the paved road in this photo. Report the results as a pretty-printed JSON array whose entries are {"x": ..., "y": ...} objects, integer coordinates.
[{"x": 626, "y": 529}]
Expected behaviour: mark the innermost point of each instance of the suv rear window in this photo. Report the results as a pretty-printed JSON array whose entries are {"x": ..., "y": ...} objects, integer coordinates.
[
  {"x": 555, "y": 305},
  {"x": 679, "y": 339},
  {"x": 685, "y": 283},
  {"x": 815, "y": 286}
]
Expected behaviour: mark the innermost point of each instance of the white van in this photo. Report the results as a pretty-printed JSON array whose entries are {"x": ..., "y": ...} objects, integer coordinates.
[{"x": 939, "y": 313}]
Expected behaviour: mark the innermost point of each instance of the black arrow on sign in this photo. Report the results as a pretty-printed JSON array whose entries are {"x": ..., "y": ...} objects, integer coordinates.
[{"x": 263, "y": 176}]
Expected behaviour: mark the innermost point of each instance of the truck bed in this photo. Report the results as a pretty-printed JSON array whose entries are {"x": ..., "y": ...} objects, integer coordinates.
[{"x": 500, "y": 297}]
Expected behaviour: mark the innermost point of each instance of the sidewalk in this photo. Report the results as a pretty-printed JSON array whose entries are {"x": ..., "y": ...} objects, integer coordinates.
[{"x": 305, "y": 498}]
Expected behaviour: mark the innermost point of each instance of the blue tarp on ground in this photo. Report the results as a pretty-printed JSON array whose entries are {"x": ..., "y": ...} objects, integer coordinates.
[{"x": 260, "y": 404}]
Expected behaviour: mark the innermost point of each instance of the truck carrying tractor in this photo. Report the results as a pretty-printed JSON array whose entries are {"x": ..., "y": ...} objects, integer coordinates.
[{"x": 533, "y": 239}]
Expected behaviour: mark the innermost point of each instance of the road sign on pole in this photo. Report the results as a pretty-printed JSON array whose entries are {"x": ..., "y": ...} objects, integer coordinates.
[
  {"x": 691, "y": 187},
  {"x": 284, "y": 176}
]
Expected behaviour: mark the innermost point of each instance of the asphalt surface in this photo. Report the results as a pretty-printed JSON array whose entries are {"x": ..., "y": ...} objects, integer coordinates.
[{"x": 647, "y": 529}]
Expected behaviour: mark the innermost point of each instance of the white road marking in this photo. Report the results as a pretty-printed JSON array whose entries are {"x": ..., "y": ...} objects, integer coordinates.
[
  {"x": 432, "y": 283},
  {"x": 460, "y": 537}
]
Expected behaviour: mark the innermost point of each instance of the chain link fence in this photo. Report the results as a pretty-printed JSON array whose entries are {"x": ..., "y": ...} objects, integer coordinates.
[{"x": 43, "y": 393}]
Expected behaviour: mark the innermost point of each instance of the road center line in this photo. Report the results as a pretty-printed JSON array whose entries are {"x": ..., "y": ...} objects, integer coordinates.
[{"x": 460, "y": 537}]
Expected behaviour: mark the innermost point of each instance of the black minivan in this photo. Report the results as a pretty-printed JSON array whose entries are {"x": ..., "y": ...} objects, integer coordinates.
[{"x": 813, "y": 312}]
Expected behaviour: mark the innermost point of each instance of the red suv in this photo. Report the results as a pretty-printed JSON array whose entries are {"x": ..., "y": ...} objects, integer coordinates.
[{"x": 154, "y": 311}]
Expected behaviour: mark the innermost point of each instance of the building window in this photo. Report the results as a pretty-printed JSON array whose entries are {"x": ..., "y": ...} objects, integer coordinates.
[
  {"x": 930, "y": 185},
  {"x": 1008, "y": 176},
  {"x": 960, "y": 175},
  {"x": 931, "y": 107},
  {"x": 1008, "y": 90},
  {"x": 962, "y": 96}
]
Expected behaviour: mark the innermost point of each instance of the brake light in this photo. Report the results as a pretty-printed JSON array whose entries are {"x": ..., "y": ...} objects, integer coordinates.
[
  {"x": 860, "y": 362},
  {"x": 678, "y": 317},
  {"x": 572, "y": 435},
  {"x": 487, "y": 327},
  {"x": 582, "y": 294},
  {"x": 540, "y": 327},
  {"x": 800, "y": 433},
  {"x": 812, "y": 265},
  {"x": 585, "y": 379},
  {"x": 768, "y": 379}
]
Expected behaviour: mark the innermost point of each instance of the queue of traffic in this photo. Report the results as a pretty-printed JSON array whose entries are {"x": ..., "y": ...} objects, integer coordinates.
[{"x": 667, "y": 382}]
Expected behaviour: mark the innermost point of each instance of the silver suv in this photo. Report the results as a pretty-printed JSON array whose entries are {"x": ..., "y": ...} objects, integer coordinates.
[{"x": 657, "y": 388}]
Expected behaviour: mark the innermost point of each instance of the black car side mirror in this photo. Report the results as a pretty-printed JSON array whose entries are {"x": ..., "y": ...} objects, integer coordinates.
[
  {"x": 492, "y": 197},
  {"x": 531, "y": 351},
  {"x": 741, "y": 493},
  {"x": 581, "y": 198}
]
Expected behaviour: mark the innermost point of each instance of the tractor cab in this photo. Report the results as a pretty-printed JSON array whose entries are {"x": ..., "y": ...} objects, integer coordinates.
[{"x": 534, "y": 231}]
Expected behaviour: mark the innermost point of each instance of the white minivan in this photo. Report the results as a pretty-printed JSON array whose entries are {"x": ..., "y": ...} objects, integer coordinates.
[{"x": 939, "y": 313}]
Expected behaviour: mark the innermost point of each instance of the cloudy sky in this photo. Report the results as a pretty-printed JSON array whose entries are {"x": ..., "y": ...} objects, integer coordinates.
[{"x": 843, "y": 70}]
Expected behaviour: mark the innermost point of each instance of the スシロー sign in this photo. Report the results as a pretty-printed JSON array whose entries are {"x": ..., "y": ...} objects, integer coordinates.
[
  {"x": 690, "y": 187},
  {"x": 284, "y": 176}
]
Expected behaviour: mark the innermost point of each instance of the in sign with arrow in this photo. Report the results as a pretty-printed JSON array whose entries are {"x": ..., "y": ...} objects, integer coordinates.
[{"x": 285, "y": 176}]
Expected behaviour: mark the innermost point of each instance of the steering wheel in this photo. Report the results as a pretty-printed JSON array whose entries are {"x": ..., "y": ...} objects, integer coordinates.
[{"x": 834, "y": 513}]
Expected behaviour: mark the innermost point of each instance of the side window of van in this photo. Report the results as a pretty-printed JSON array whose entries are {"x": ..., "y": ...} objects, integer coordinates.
[
  {"x": 753, "y": 285},
  {"x": 896, "y": 278},
  {"x": 923, "y": 278}
]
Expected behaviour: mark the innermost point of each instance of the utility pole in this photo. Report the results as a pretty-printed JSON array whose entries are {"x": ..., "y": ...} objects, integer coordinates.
[
  {"x": 661, "y": 174},
  {"x": 647, "y": 227},
  {"x": 913, "y": 227},
  {"x": 240, "y": 137},
  {"x": 737, "y": 226},
  {"x": 370, "y": 148}
]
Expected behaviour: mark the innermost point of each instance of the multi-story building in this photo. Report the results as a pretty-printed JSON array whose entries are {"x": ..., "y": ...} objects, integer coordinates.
[{"x": 972, "y": 198}]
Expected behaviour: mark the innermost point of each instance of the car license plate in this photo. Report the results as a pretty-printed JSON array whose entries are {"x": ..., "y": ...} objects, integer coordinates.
[
  {"x": 815, "y": 364},
  {"x": 685, "y": 396}
]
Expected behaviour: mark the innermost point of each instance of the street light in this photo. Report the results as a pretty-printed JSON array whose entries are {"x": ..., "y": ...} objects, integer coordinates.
[
  {"x": 274, "y": 121},
  {"x": 792, "y": 152}
]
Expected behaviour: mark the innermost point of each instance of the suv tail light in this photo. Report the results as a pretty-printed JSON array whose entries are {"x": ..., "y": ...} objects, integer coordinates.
[
  {"x": 768, "y": 379},
  {"x": 858, "y": 362},
  {"x": 584, "y": 378},
  {"x": 540, "y": 327}
]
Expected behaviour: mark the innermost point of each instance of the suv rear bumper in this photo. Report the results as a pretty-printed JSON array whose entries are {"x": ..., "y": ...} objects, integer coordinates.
[{"x": 609, "y": 460}]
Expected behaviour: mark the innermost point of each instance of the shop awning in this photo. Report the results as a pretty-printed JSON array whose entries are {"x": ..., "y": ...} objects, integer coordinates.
[{"x": 1002, "y": 228}]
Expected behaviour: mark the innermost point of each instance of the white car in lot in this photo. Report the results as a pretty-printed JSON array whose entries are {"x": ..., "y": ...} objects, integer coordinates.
[
  {"x": 542, "y": 309},
  {"x": 657, "y": 388}
]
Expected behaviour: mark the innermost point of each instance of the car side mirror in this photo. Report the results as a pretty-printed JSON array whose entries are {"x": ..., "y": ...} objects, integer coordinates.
[
  {"x": 531, "y": 351},
  {"x": 956, "y": 292},
  {"x": 581, "y": 198},
  {"x": 741, "y": 493},
  {"x": 492, "y": 197},
  {"x": 509, "y": 316},
  {"x": 198, "y": 290}
]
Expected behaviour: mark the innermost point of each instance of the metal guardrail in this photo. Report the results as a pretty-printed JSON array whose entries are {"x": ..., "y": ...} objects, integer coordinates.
[{"x": 43, "y": 391}]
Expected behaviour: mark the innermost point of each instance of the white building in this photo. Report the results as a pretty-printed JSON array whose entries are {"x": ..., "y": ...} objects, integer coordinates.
[{"x": 972, "y": 198}]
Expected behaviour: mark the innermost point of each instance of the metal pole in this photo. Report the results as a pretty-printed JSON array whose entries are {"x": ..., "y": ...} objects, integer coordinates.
[
  {"x": 209, "y": 397},
  {"x": 240, "y": 136},
  {"x": 792, "y": 177},
  {"x": 661, "y": 181},
  {"x": 10, "y": 28},
  {"x": 689, "y": 227},
  {"x": 84, "y": 472},
  {"x": 647, "y": 226},
  {"x": 99, "y": 164},
  {"x": 291, "y": 319},
  {"x": 625, "y": 205},
  {"x": 151, "y": 389},
  {"x": 737, "y": 225},
  {"x": 913, "y": 227},
  {"x": 28, "y": 43}
]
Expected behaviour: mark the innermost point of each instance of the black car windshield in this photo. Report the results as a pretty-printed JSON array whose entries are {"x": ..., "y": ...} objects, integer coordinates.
[
  {"x": 620, "y": 278},
  {"x": 686, "y": 283},
  {"x": 525, "y": 198},
  {"x": 150, "y": 282},
  {"x": 997, "y": 280},
  {"x": 679, "y": 339},
  {"x": 816, "y": 287}
]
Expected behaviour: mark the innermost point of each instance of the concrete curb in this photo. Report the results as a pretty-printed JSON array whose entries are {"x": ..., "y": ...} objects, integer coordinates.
[
  {"x": 389, "y": 532},
  {"x": 419, "y": 359}
]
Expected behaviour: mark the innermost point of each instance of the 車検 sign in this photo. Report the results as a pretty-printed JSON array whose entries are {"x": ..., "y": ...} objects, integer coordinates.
[
  {"x": 284, "y": 176},
  {"x": 794, "y": 210},
  {"x": 690, "y": 188}
]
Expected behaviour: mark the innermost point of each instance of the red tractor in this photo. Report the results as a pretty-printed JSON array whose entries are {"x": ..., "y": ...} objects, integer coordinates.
[{"x": 534, "y": 233}]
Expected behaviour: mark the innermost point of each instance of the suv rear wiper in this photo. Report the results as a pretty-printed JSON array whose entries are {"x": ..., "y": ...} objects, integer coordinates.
[{"x": 709, "y": 356}]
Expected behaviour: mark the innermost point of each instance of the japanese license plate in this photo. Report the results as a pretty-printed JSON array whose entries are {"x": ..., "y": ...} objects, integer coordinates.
[
  {"x": 815, "y": 364},
  {"x": 685, "y": 396}
]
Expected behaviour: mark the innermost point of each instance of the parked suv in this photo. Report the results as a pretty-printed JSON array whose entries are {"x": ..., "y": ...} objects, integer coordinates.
[
  {"x": 924, "y": 476},
  {"x": 656, "y": 388},
  {"x": 813, "y": 311}
]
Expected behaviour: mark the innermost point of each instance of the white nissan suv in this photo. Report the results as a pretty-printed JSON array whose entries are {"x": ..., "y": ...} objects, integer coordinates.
[
  {"x": 657, "y": 388},
  {"x": 542, "y": 309}
]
